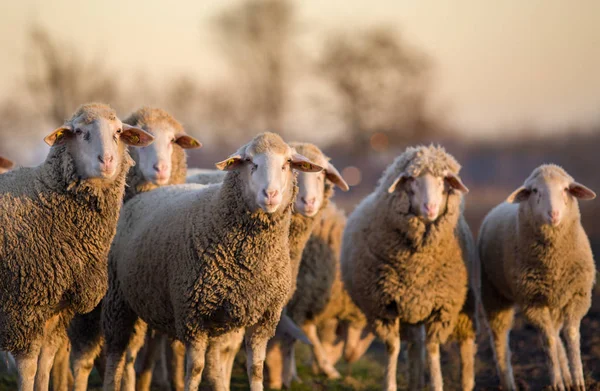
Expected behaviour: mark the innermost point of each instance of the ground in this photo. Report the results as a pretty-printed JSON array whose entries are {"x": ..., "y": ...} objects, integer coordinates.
[{"x": 366, "y": 375}]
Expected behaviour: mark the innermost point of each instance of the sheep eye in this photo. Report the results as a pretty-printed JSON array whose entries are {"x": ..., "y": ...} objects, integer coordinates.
[
  {"x": 119, "y": 131},
  {"x": 78, "y": 131},
  {"x": 534, "y": 191}
]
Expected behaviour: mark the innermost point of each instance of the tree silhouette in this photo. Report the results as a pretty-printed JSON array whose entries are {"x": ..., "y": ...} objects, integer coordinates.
[{"x": 383, "y": 86}]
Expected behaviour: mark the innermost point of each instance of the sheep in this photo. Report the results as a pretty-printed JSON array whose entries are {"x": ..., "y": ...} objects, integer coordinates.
[
  {"x": 321, "y": 305},
  {"x": 406, "y": 256},
  {"x": 198, "y": 262},
  {"x": 205, "y": 176},
  {"x": 315, "y": 191},
  {"x": 5, "y": 165},
  {"x": 159, "y": 164},
  {"x": 535, "y": 255},
  {"x": 57, "y": 221}
]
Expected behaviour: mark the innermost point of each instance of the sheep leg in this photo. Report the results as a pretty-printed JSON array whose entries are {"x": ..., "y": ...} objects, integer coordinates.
[
  {"x": 564, "y": 362},
  {"x": 572, "y": 338},
  {"x": 542, "y": 319},
  {"x": 147, "y": 360},
  {"x": 310, "y": 329},
  {"x": 256, "y": 339},
  {"x": 500, "y": 313},
  {"x": 215, "y": 363},
  {"x": 62, "y": 378},
  {"x": 135, "y": 344},
  {"x": 27, "y": 366},
  {"x": 468, "y": 348},
  {"x": 86, "y": 338},
  {"x": 331, "y": 341},
  {"x": 360, "y": 345},
  {"x": 274, "y": 364},
  {"x": 416, "y": 358},
  {"x": 119, "y": 323},
  {"x": 176, "y": 365},
  {"x": 55, "y": 336},
  {"x": 435, "y": 367},
  {"x": 289, "y": 369},
  {"x": 195, "y": 354},
  {"x": 236, "y": 342},
  {"x": 389, "y": 333}
]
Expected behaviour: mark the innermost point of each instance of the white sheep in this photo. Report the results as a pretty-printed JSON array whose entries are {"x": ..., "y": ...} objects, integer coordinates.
[
  {"x": 161, "y": 163},
  {"x": 57, "y": 221},
  {"x": 406, "y": 254},
  {"x": 535, "y": 255},
  {"x": 202, "y": 261}
]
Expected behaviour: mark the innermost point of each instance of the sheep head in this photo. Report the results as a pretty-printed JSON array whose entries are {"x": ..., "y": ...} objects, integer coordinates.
[
  {"x": 265, "y": 165},
  {"x": 548, "y": 195},
  {"x": 96, "y": 139},
  {"x": 155, "y": 160},
  {"x": 312, "y": 187}
]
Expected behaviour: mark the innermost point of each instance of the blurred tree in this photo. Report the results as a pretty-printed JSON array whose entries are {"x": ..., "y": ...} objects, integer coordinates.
[
  {"x": 59, "y": 79},
  {"x": 256, "y": 37},
  {"x": 383, "y": 85}
]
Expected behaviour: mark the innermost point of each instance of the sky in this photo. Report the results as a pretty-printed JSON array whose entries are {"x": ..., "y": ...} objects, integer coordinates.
[{"x": 499, "y": 64}]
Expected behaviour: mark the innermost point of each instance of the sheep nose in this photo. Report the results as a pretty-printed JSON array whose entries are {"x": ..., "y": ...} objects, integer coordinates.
[
  {"x": 308, "y": 201},
  {"x": 430, "y": 208},
  {"x": 270, "y": 194},
  {"x": 160, "y": 167},
  {"x": 107, "y": 158}
]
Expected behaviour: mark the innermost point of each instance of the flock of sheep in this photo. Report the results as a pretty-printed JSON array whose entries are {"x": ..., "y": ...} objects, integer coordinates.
[{"x": 114, "y": 256}]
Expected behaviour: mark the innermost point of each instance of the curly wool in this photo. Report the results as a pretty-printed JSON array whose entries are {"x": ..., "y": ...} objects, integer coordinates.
[
  {"x": 213, "y": 267},
  {"x": 57, "y": 231},
  {"x": 153, "y": 118},
  {"x": 395, "y": 266},
  {"x": 415, "y": 161}
]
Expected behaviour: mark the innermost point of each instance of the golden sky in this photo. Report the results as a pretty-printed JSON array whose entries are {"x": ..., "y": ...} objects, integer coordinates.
[{"x": 499, "y": 63}]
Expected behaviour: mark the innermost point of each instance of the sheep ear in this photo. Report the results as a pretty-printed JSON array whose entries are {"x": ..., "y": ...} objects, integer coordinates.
[
  {"x": 187, "y": 142},
  {"x": 57, "y": 136},
  {"x": 231, "y": 163},
  {"x": 519, "y": 195},
  {"x": 580, "y": 191},
  {"x": 334, "y": 176},
  {"x": 135, "y": 137},
  {"x": 301, "y": 163},
  {"x": 455, "y": 183},
  {"x": 6, "y": 164},
  {"x": 398, "y": 182}
]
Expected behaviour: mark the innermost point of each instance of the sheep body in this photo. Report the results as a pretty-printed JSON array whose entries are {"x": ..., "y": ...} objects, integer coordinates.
[
  {"x": 548, "y": 272},
  {"x": 215, "y": 265},
  {"x": 205, "y": 176},
  {"x": 400, "y": 270},
  {"x": 58, "y": 228}
]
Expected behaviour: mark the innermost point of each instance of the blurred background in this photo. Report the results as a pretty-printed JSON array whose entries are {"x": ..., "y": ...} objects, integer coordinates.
[{"x": 504, "y": 86}]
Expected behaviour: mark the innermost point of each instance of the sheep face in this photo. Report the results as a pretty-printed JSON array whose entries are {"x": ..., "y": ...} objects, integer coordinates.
[
  {"x": 427, "y": 193},
  {"x": 311, "y": 187},
  {"x": 155, "y": 159},
  {"x": 311, "y": 193},
  {"x": 549, "y": 194},
  {"x": 5, "y": 165},
  {"x": 266, "y": 165},
  {"x": 97, "y": 144}
]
